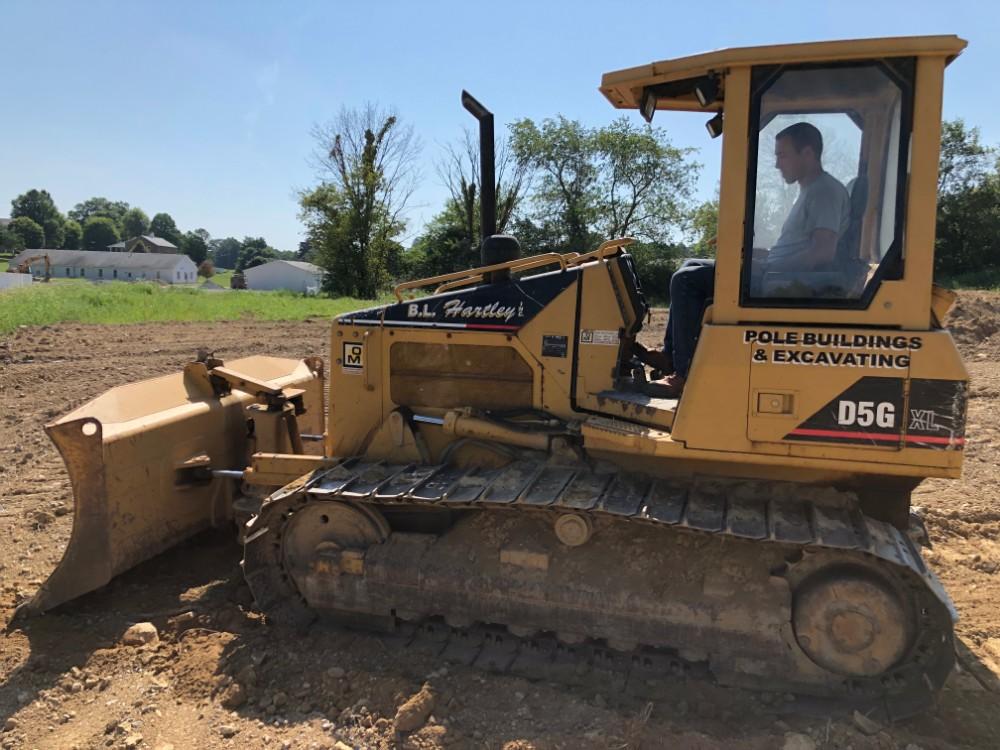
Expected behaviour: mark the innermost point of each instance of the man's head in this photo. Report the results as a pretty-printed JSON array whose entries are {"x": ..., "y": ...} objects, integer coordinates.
[{"x": 798, "y": 150}]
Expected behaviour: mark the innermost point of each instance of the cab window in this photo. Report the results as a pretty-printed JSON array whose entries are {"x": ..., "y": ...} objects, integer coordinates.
[{"x": 828, "y": 165}]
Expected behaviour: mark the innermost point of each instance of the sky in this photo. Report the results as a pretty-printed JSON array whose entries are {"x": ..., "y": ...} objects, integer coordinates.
[{"x": 204, "y": 110}]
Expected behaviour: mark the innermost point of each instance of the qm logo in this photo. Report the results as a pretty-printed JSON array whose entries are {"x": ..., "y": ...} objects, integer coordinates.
[{"x": 354, "y": 356}]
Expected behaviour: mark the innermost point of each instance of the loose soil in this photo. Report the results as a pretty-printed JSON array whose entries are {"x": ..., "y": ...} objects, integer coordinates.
[{"x": 218, "y": 677}]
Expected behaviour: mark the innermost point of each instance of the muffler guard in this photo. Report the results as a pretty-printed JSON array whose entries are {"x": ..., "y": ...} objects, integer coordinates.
[{"x": 138, "y": 459}]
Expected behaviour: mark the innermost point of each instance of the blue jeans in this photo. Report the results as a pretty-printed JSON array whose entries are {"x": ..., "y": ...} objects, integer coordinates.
[{"x": 691, "y": 286}]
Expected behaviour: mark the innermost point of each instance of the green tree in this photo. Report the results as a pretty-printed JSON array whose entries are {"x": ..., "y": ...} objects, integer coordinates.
[
  {"x": 968, "y": 215},
  {"x": 644, "y": 182},
  {"x": 564, "y": 152},
  {"x": 597, "y": 183},
  {"x": 704, "y": 228},
  {"x": 445, "y": 245},
  {"x": 163, "y": 225},
  {"x": 225, "y": 252},
  {"x": 72, "y": 235},
  {"x": 114, "y": 210},
  {"x": 135, "y": 223},
  {"x": 367, "y": 163},
  {"x": 194, "y": 246},
  {"x": 10, "y": 242},
  {"x": 965, "y": 160},
  {"x": 28, "y": 231},
  {"x": 254, "y": 251},
  {"x": 459, "y": 170},
  {"x": 38, "y": 206},
  {"x": 99, "y": 232}
]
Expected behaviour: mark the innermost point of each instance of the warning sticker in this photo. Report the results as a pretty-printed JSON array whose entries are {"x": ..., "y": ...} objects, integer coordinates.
[
  {"x": 554, "y": 345},
  {"x": 605, "y": 338},
  {"x": 354, "y": 356}
]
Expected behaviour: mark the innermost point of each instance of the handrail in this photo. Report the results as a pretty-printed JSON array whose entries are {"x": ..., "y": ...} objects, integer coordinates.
[
  {"x": 457, "y": 279},
  {"x": 523, "y": 264},
  {"x": 456, "y": 275},
  {"x": 604, "y": 249}
]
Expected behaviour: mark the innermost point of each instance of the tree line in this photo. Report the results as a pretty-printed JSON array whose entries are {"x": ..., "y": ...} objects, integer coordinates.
[
  {"x": 563, "y": 186},
  {"x": 560, "y": 186},
  {"x": 94, "y": 224}
]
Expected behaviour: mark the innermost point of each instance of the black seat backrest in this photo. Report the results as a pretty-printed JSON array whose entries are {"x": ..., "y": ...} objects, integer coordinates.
[{"x": 849, "y": 244}]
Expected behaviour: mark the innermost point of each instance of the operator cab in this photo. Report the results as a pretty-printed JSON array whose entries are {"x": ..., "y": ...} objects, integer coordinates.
[
  {"x": 857, "y": 114},
  {"x": 811, "y": 228}
]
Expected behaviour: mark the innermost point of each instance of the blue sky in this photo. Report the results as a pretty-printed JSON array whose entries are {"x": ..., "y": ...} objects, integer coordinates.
[{"x": 204, "y": 109}]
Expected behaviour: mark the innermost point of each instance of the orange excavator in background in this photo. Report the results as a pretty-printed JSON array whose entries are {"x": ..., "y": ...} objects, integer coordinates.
[{"x": 25, "y": 266}]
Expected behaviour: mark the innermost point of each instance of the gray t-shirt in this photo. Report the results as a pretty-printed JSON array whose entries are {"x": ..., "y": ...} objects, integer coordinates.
[{"x": 822, "y": 204}]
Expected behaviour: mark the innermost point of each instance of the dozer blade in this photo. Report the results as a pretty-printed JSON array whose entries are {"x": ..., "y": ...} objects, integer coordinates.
[{"x": 139, "y": 459}]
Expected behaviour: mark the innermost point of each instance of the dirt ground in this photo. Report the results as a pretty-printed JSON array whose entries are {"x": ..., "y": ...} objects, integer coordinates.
[{"x": 219, "y": 678}]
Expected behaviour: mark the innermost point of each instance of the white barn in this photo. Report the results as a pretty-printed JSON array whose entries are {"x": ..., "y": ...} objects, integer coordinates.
[
  {"x": 294, "y": 275},
  {"x": 104, "y": 266}
]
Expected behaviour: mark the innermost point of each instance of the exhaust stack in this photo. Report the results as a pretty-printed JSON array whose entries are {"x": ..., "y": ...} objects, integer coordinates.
[
  {"x": 487, "y": 165},
  {"x": 495, "y": 248}
]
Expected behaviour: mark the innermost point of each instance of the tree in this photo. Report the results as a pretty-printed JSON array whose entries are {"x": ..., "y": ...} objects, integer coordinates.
[
  {"x": 704, "y": 228},
  {"x": 965, "y": 161},
  {"x": 968, "y": 215},
  {"x": 564, "y": 153},
  {"x": 99, "y": 232},
  {"x": 459, "y": 170},
  {"x": 225, "y": 252},
  {"x": 206, "y": 269},
  {"x": 28, "y": 231},
  {"x": 114, "y": 210},
  {"x": 38, "y": 206},
  {"x": 444, "y": 245},
  {"x": 598, "y": 183},
  {"x": 10, "y": 242},
  {"x": 194, "y": 246},
  {"x": 163, "y": 226},
  {"x": 366, "y": 161},
  {"x": 72, "y": 235},
  {"x": 135, "y": 223},
  {"x": 644, "y": 182},
  {"x": 254, "y": 251}
]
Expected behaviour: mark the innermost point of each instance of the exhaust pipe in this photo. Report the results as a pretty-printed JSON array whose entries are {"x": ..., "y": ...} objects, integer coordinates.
[{"x": 495, "y": 248}]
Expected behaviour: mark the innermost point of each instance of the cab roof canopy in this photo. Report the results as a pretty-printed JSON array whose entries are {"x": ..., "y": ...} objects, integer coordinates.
[{"x": 624, "y": 88}]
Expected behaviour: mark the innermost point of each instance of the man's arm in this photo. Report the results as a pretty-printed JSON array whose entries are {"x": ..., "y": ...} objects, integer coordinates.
[{"x": 822, "y": 250}]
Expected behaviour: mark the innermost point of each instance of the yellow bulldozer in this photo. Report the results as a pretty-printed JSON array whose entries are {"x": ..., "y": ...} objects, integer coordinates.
[{"x": 489, "y": 464}]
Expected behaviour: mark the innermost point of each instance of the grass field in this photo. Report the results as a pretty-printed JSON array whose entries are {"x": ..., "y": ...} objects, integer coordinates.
[
  {"x": 222, "y": 277},
  {"x": 42, "y": 304}
]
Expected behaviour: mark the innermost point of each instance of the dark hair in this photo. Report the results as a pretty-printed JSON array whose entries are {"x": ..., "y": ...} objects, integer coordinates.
[{"x": 803, "y": 134}]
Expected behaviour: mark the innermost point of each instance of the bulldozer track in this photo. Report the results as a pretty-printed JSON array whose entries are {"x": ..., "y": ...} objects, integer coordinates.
[{"x": 810, "y": 526}]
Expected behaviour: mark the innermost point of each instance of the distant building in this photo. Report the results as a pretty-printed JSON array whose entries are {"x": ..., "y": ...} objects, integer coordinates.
[
  {"x": 294, "y": 275},
  {"x": 147, "y": 243},
  {"x": 109, "y": 266},
  {"x": 4, "y": 223}
]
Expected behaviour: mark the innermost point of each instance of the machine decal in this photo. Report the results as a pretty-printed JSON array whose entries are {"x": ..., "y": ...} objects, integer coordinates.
[
  {"x": 603, "y": 338},
  {"x": 503, "y": 307},
  {"x": 809, "y": 348},
  {"x": 354, "y": 356},
  {"x": 870, "y": 412},
  {"x": 936, "y": 418},
  {"x": 555, "y": 346}
]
